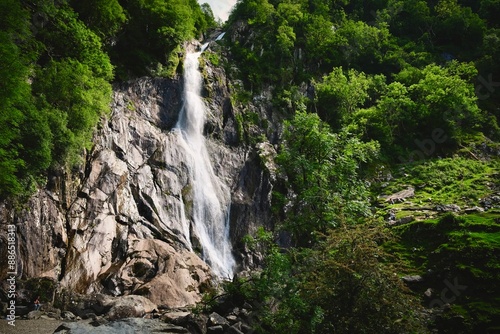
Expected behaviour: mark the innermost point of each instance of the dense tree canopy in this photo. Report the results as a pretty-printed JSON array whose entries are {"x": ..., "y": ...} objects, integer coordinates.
[
  {"x": 322, "y": 169},
  {"x": 386, "y": 70},
  {"x": 57, "y": 60},
  {"x": 410, "y": 79}
]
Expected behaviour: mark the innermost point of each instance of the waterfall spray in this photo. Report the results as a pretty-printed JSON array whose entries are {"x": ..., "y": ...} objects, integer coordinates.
[{"x": 211, "y": 198}]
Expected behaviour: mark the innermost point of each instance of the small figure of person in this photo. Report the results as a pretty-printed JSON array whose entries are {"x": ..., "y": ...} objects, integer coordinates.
[{"x": 37, "y": 303}]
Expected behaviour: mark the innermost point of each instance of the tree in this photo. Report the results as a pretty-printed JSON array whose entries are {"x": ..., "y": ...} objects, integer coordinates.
[
  {"x": 153, "y": 32},
  {"x": 73, "y": 100},
  {"x": 105, "y": 17},
  {"x": 444, "y": 98},
  {"x": 322, "y": 171},
  {"x": 24, "y": 139},
  {"x": 350, "y": 280},
  {"x": 459, "y": 31},
  {"x": 346, "y": 283},
  {"x": 339, "y": 95}
]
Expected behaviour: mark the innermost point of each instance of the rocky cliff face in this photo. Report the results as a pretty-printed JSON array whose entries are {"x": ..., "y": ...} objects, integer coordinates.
[{"x": 118, "y": 226}]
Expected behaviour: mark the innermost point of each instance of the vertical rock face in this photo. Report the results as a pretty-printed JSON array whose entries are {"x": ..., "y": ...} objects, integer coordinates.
[{"x": 121, "y": 225}]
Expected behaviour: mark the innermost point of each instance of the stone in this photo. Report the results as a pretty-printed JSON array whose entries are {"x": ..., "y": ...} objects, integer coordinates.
[
  {"x": 405, "y": 220},
  {"x": 215, "y": 329},
  {"x": 64, "y": 328},
  {"x": 130, "y": 325},
  {"x": 33, "y": 315},
  {"x": 54, "y": 315},
  {"x": 401, "y": 196},
  {"x": 175, "y": 317},
  {"x": 412, "y": 279},
  {"x": 216, "y": 319},
  {"x": 474, "y": 209},
  {"x": 489, "y": 202},
  {"x": 233, "y": 330},
  {"x": 68, "y": 315},
  {"x": 129, "y": 307},
  {"x": 196, "y": 323},
  {"x": 232, "y": 318},
  {"x": 98, "y": 321},
  {"x": 448, "y": 208}
]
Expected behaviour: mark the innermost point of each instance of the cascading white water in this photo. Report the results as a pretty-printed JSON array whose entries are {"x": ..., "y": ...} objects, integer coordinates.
[{"x": 211, "y": 198}]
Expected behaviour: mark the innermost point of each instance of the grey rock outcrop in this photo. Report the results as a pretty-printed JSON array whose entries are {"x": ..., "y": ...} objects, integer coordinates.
[{"x": 119, "y": 224}]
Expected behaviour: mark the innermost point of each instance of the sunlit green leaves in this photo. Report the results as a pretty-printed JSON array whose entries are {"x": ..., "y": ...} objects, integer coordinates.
[
  {"x": 69, "y": 90},
  {"x": 322, "y": 170}
]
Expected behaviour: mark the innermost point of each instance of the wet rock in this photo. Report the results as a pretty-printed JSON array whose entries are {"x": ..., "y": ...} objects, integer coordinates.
[
  {"x": 122, "y": 222},
  {"x": 67, "y": 315},
  {"x": 234, "y": 330},
  {"x": 98, "y": 321}
]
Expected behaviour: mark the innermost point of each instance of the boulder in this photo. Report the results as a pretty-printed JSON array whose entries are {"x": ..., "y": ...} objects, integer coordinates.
[
  {"x": 215, "y": 330},
  {"x": 448, "y": 208},
  {"x": 215, "y": 319},
  {"x": 401, "y": 196},
  {"x": 474, "y": 209},
  {"x": 412, "y": 279},
  {"x": 67, "y": 315},
  {"x": 175, "y": 317},
  {"x": 33, "y": 315},
  {"x": 129, "y": 307}
]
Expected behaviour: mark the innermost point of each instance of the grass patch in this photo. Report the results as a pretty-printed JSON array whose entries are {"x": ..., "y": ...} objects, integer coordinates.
[
  {"x": 463, "y": 248},
  {"x": 457, "y": 180}
]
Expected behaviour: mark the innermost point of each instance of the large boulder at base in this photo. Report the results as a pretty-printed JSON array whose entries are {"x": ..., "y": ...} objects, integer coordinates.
[{"x": 130, "y": 307}]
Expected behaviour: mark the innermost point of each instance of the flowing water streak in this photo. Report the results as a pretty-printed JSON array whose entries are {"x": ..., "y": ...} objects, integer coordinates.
[{"x": 211, "y": 198}]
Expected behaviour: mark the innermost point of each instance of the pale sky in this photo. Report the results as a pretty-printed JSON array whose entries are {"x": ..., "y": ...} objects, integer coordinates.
[{"x": 221, "y": 8}]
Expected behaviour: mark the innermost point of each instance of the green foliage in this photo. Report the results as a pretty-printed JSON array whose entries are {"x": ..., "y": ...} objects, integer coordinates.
[
  {"x": 460, "y": 249},
  {"x": 345, "y": 284},
  {"x": 64, "y": 36},
  {"x": 458, "y": 180},
  {"x": 339, "y": 95},
  {"x": 352, "y": 280},
  {"x": 105, "y": 17},
  {"x": 388, "y": 71},
  {"x": 322, "y": 170},
  {"x": 153, "y": 32},
  {"x": 24, "y": 140},
  {"x": 74, "y": 100},
  {"x": 424, "y": 100},
  {"x": 56, "y": 73}
]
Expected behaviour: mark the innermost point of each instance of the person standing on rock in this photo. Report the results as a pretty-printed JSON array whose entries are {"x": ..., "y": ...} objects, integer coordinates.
[{"x": 37, "y": 303}]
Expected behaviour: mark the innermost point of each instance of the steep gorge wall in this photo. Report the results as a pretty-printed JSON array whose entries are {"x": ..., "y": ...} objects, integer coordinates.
[{"x": 117, "y": 226}]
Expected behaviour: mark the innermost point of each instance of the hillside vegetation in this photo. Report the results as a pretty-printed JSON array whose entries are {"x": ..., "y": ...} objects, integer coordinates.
[
  {"x": 57, "y": 63},
  {"x": 389, "y": 164}
]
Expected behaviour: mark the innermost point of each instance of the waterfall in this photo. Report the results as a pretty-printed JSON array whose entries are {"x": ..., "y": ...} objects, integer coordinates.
[{"x": 211, "y": 198}]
